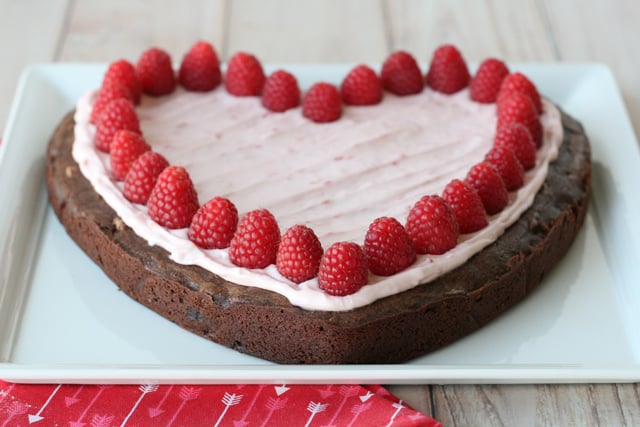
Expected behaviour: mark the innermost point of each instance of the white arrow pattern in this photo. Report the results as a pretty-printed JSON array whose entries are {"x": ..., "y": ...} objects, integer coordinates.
[
  {"x": 145, "y": 389},
  {"x": 315, "y": 408},
  {"x": 399, "y": 407},
  {"x": 281, "y": 389},
  {"x": 228, "y": 400},
  {"x": 37, "y": 416},
  {"x": 257, "y": 405}
]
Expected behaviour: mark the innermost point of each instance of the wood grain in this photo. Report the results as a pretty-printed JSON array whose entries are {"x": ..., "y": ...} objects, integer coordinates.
[
  {"x": 106, "y": 30},
  {"x": 605, "y": 32},
  {"x": 18, "y": 19},
  {"x": 308, "y": 31},
  {"x": 504, "y": 29}
]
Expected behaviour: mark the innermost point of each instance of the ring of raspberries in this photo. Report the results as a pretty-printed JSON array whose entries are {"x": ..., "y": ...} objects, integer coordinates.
[{"x": 255, "y": 240}]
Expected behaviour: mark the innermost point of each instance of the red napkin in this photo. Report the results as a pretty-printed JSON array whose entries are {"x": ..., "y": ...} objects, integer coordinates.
[{"x": 206, "y": 405}]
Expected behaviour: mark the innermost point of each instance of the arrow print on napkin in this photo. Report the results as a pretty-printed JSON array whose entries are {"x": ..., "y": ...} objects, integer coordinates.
[
  {"x": 280, "y": 390},
  {"x": 399, "y": 407},
  {"x": 366, "y": 397},
  {"x": 327, "y": 392},
  {"x": 154, "y": 412},
  {"x": 79, "y": 422},
  {"x": 5, "y": 392},
  {"x": 73, "y": 399},
  {"x": 34, "y": 418},
  {"x": 144, "y": 390}
]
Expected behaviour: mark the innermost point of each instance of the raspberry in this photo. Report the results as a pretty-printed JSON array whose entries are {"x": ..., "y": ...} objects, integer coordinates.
[
  {"x": 155, "y": 72},
  {"x": 361, "y": 86},
  {"x": 173, "y": 200},
  {"x": 299, "y": 254},
  {"x": 518, "y": 82},
  {"x": 432, "y": 226},
  {"x": 212, "y": 227},
  {"x": 200, "y": 68},
  {"x": 485, "y": 85},
  {"x": 255, "y": 242},
  {"x": 118, "y": 114},
  {"x": 466, "y": 206},
  {"x": 123, "y": 72},
  {"x": 109, "y": 91},
  {"x": 126, "y": 147},
  {"x": 401, "y": 75},
  {"x": 244, "y": 75},
  {"x": 322, "y": 103},
  {"x": 507, "y": 165},
  {"x": 518, "y": 108},
  {"x": 448, "y": 72},
  {"x": 388, "y": 247},
  {"x": 518, "y": 139},
  {"x": 281, "y": 92},
  {"x": 343, "y": 269},
  {"x": 485, "y": 179},
  {"x": 142, "y": 176}
]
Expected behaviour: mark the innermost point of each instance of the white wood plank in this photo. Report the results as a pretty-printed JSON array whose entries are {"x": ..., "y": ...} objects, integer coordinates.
[
  {"x": 466, "y": 405},
  {"x": 29, "y": 33},
  {"x": 416, "y": 396},
  {"x": 537, "y": 405},
  {"x": 606, "y": 32},
  {"x": 107, "y": 30},
  {"x": 589, "y": 404},
  {"x": 512, "y": 31},
  {"x": 308, "y": 31}
]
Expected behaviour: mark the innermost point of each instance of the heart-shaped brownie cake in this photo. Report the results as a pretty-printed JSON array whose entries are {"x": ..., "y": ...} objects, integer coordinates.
[{"x": 370, "y": 223}]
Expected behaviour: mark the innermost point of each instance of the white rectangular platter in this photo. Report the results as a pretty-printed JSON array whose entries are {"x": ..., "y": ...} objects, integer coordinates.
[{"x": 63, "y": 320}]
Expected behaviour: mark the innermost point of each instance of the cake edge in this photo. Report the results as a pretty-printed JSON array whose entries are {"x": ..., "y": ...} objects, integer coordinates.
[{"x": 265, "y": 325}]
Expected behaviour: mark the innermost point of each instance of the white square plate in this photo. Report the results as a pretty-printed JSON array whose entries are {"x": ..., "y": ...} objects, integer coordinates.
[{"x": 63, "y": 320}]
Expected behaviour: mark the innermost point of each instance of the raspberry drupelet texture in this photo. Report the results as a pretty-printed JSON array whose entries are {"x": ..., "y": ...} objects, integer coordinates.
[
  {"x": 123, "y": 72},
  {"x": 518, "y": 108},
  {"x": 432, "y": 226},
  {"x": 119, "y": 114},
  {"x": 214, "y": 224},
  {"x": 466, "y": 205},
  {"x": 322, "y": 103},
  {"x": 126, "y": 146},
  {"x": 281, "y": 91},
  {"x": 518, "y": 139},
  {"x": 518, "y": 82},
  {"x": 343, "y": 269},
  {"x": 173, "y": 201},
  {"x": 200, "y": 68},
  {"x": 448, "y": 72},
  {"x": 388, "y": 247},
  {"x": 255, "y": 242},
  {"x": 299, "y": 254},
  {"x": 244, "y": 76},
  {"x": 485, "y": 179},
  {"x": 109, "y": 91},
  {"x": 361, "y": 86},
  {"x": 154, "y": 70},
  {"x": 508, "y": 166},
  {"x": 142, "y": 176},
  {"x": 401, "y": 75},
  {"x": 485, "y": 85}
]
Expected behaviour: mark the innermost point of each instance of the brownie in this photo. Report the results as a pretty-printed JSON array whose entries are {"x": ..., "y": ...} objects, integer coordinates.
[{"x": 264, "y": 324}]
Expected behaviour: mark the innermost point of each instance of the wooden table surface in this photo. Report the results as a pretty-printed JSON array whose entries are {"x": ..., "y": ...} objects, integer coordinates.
[{"x": 362, "y": 31}]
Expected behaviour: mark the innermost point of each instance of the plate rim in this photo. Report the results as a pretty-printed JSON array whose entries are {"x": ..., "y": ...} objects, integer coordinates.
[{"x": 388, "y": 374}]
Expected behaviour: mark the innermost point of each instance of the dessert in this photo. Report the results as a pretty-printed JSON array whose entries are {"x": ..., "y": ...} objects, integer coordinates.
[{"x": 435, "y": 250}]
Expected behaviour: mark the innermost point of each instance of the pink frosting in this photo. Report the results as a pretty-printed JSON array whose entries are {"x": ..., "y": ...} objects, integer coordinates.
[{"x": 336, "y": 178}]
